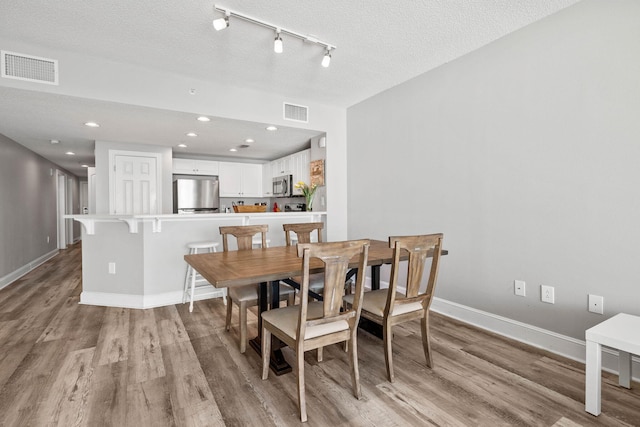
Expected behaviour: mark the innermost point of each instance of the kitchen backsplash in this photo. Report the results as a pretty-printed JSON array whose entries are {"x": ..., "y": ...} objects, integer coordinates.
[{"x": 226, "y": 202}]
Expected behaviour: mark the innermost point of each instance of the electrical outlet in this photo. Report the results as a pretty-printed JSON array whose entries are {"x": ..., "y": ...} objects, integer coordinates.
[
  {"x": 547, "y": 294},
  {"x": 596, "y": 304},
  {"x": 47, "y": 239},
  {"x": 519, "y": 287},
  {"x": 112, "y": 268}
]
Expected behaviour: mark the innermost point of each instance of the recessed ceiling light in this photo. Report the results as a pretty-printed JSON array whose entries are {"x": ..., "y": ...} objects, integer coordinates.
[
  {"x": 84, "y": 166},
  {"x": 54, "y": 141},
  {"x": 249, "y": 141},
  {"x": 182, "y": 145},
  {"x": 204, "y": 119},
  {"x": 92, "y": 124},
  {"x": 192, "y": 134},
  {"x": 233, "y": 149},
  {"x": 70, "y": 153},
  {"x": 272, "y": 128}
]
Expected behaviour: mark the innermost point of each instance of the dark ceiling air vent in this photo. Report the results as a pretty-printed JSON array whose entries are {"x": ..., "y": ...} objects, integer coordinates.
[
  {"x": 297, "y": 113},
  {"x": 30, "y": 68}
]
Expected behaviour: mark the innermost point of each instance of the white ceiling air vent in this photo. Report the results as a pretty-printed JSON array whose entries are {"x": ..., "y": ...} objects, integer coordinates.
[
  {"x": 297, "y": 113},
  {"x": 30, "y": 68}
]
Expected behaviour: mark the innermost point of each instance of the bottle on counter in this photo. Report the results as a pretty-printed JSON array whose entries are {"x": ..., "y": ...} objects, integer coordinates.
[{"x": 275, "y": 207}]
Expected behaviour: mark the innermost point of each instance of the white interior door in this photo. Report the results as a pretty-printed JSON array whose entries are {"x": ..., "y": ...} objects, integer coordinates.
[{"x": 135, "y": 185}]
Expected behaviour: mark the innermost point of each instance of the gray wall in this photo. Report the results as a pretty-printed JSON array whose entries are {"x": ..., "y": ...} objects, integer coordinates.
[
  {"x": 27, "y": 206},
  {"x": 526, "y": 154}
]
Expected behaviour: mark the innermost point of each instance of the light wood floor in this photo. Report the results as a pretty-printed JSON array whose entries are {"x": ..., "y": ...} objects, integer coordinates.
[{"x": 67, "y": 364}]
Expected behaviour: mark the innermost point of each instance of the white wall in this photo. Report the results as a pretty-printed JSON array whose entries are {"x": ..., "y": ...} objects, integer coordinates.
[
  {"x": 526, "y": 155},
  {"x": 94, "y": 78}
]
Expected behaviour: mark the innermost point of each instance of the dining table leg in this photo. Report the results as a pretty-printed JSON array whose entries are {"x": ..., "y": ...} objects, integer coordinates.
[
  {"x": 366, "y": 324},
  {"x": 375, "y": 277},
  {"x": 277, "y": 362}
]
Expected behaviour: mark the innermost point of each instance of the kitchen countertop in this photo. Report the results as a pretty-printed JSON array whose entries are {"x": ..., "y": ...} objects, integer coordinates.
[{"x": 133, "y": 221}]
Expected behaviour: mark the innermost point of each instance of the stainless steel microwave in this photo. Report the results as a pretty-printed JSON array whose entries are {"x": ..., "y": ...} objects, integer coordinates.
[{"x": 283, "y": 186}]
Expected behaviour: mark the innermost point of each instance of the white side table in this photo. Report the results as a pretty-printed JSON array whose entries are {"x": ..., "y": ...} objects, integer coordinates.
[{"x": 621, "y": 332}]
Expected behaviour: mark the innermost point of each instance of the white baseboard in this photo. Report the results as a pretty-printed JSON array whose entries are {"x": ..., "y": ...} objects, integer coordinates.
[
  {"x": 547, "y": 340},
  {"x": 15, "y": 275},
  {"x": 136, "y": 301},
  {"x": 130, "y": 301},
  {"x": 562, "y": 345}
]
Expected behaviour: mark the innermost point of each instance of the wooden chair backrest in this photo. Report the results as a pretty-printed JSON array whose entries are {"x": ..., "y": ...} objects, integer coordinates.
[
  {"x": 244, "y": 235},
  {"x": 419, "y": 247},
  {"x": 335, "y": 257},
  {"x": 303, "y": 231}
]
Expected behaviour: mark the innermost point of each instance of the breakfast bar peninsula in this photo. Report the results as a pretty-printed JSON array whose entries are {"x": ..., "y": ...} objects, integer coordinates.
[{"x": 137, "y": 261}]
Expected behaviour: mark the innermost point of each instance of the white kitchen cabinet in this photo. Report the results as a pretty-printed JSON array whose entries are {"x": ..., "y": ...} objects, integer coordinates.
[
  {"x": 195, "y": 167},
  {"x": 281, "y": 167},
  {"x": 240, "y": 179},
  {"x": 296, "y": 165},
  {"x": 267, "y": 180},
  {"x": 300, "y": 169}
]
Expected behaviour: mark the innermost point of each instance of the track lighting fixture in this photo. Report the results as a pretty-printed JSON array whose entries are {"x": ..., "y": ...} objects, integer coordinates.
[
  {"x": 277, "y": 43},
  {"x": 326, "y": 59},
  {"x": 222, "y": 23}
]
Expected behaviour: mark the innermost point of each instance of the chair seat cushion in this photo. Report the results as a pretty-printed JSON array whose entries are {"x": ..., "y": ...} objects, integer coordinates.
[
  {"x": 316, "y": 282},
  {"x": 375, "y": 301},
  {"x": 286, "y": 319},
  {"x": 244, "y": 293},
  {"x": 249, "y": 293}
]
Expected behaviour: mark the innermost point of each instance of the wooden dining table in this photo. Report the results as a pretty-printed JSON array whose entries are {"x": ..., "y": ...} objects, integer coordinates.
[{"x": 270, "y": 266}]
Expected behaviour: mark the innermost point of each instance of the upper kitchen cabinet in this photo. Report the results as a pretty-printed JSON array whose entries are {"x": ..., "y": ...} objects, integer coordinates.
[
  {"x": 281, "y": 167},
  {"x": 300, "y": 169},
  {"x": 296, "y": 164},
  {"x": 195, "y": 167},
  {"x": 240, "y": 179},
  {"x": 267, "y": 180}
]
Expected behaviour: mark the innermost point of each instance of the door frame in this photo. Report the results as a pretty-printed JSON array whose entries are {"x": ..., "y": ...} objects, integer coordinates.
[{"x": 61, "y": 206}]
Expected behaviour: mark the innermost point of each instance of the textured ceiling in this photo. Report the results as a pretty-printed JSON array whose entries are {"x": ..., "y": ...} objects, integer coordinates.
[{"x": 379, "y": 44}]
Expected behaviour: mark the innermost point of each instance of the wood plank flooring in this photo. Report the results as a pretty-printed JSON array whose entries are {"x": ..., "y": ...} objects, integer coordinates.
[{"x": 66, "y": 364}]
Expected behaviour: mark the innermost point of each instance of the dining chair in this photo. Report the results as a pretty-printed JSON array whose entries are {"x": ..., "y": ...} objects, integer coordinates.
[
  {"x": 303, "y": 231},
  {"x": 303, "y": 234},
  {"x": 247, "y": 296},
  {"x": 311, "y": 325},
  {"x": 389, "y": 307}
]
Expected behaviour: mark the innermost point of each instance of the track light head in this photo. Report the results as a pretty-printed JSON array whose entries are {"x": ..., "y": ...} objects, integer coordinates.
[
  {"x": 326, "y": 59},
  {"x": 222, "y": 23},
  {"x": 277, "y": 43}
]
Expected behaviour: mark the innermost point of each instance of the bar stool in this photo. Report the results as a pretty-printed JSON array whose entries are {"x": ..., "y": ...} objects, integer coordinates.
[{"x": 195, "y": 282}]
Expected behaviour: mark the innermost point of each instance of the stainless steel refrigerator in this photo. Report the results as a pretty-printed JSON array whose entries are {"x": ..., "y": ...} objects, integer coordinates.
[{"x": 196, "y": 194}]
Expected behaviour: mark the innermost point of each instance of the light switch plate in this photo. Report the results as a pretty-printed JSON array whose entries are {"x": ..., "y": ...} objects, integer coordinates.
[
  {"x": 519, "y": 288},
  {"x": 596, "y": 304}
]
